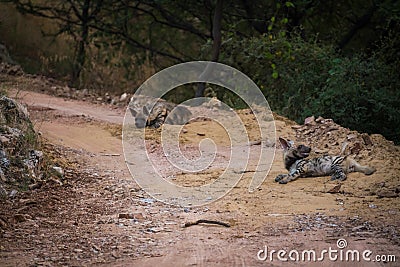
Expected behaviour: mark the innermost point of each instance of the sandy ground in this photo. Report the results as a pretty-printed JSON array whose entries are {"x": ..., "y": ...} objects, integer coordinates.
[{"x": 100, "y": 216}]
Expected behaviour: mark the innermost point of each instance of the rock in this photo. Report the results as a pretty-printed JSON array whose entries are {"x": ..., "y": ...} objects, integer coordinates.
[
  {"x": 296, "y": 127},
  {"x": 356, "y": 148},
  {"x": 367, "y": 139},
  {"x": 335, "y": 189},
  {"x": 3, "y": 192},
  {"x": 309, "y": 120},
  {"x": 27, "y": 201},
  {"x": 320, "y": 119},
  {"x": 139, "y": 216},
  {"x": 19, "y": 218},
  {"x": 4, "y": 140},
  {"x": 12, "y": 112},
  {"x": 123, "y": 97},
  {"x": 351, "y": 136},
  {"x": 35, "y": 157},
  {"x": 13, "y": 193},
  {"x": 358, "y": 228},
  {"x": 3, "y": 223},
  {"x": 2, "y": 177},
  {"x": 126, "y": 216},
  {"x": 4, "y": 161},
  {"x": 58, "y": 170},
  {"x": 34, "y": 186},
  {"x": 387, "y": 194}
]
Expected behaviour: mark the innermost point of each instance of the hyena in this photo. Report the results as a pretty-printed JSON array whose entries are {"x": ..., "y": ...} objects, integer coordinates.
[
  {"x": 298, "y": 166},
  {"x": 162, "y": 112}
]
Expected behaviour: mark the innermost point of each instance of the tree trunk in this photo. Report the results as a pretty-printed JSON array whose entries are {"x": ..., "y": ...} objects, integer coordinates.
[
  {"x": 80, "y": 57},
  {"x": 216, "y": 32}
]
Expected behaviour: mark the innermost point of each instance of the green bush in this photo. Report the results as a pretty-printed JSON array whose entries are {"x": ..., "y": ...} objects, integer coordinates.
[{"x": 300, "y": 79}]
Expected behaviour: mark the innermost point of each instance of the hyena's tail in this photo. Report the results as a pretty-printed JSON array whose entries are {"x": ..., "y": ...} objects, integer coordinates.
[{"x": 354, "y": 166}]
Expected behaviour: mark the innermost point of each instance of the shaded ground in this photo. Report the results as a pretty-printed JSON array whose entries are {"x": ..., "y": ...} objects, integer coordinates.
[{"x": 99, "y": 216}]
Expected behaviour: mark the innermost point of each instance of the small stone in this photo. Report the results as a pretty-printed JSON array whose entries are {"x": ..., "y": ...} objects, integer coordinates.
[
  {"x": 351, "y": 136},
  {"x": 358, "y": 228},
  {"x": 356, "y": 148},
  {"x": 335, "y": 189},
  {"x": 34, "y": 186},
  {"x": 387, "y": 194},
  {"x": 138, "y": 216},
  {"x": 3, "y": 224},
  {"x": 58, "y": 170},
  {"x": 367, "y": 139},
  {"x": 2, "y": 177},
  {"x": 4, "y": 140},
  {"x": 3, "y": 192},
  {"x": 13, "y": 193},
  {"x": 19, "y": 218},
  {"x": 309, "y": 120},
  {"x": 126, "y": 216},
  {"x": 123, "y": 97}
]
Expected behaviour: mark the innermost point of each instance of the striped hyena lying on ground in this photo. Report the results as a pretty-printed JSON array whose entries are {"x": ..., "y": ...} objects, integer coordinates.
[
  {"x": 162, "y": 112},
  {"x": 298, "y": 166}
]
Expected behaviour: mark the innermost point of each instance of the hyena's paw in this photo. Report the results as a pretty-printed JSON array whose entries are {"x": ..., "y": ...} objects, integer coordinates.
[
  {"x": 280, "y": 177},
  {"x": 283, "y": 181},
  {"x": 370, "y": 171},
  {"x": 339, "y": 176}
]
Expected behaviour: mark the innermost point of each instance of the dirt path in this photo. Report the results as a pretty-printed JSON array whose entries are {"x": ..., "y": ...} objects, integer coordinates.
[{"x": 99, "y": 215}]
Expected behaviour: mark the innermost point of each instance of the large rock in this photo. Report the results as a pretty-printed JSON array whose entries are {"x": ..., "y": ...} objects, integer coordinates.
[{"x": 19, "y": 158}]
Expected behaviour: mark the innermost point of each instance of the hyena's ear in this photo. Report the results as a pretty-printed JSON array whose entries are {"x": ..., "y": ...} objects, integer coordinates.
[
  {"x": 145, "y": 111},
  {"x": 284, "y": 143},
  {"x": 133, "y": 112}
]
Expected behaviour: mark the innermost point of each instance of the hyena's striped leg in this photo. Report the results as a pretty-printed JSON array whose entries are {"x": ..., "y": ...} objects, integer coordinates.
[
  {"x": 280, "y": 177},
  {"x": 289, "y": 177},
  {"x": 338, "y": 173}
]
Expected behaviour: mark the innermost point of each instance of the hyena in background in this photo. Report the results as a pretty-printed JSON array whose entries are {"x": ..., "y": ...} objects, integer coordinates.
[
  {"x": 162, "y": 112},
  {"x": 298, "y": 166}
]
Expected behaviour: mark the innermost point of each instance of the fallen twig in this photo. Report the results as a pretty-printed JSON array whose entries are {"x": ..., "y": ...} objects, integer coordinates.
[{"x": 206, "y": 221}]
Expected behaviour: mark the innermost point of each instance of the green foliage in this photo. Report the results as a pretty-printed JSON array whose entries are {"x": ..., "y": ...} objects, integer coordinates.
[{"x": 300, "y": 79}]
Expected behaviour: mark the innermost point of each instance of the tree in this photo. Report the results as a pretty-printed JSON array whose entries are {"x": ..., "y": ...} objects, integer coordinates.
[
  {"x": 216, "y": 30},
  {"x": 73, "y": 17}
]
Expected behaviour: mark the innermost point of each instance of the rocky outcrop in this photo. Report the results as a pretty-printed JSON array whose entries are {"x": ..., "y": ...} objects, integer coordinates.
[{"x": 20, "y": 161}]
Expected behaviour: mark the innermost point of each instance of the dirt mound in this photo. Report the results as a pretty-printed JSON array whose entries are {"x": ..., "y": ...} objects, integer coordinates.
[{"x": 327, "y": 137}]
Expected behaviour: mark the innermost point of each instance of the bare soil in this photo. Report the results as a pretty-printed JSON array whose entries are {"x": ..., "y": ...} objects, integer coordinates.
[{"x": 97, "y": 214}]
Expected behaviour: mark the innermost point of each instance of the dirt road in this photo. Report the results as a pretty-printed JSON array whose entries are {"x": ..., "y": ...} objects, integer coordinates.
[{"x": 100, "y": 216}]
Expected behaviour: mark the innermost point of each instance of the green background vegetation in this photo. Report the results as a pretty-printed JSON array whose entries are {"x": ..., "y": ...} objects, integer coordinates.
[{"x": 336, "y": 59}]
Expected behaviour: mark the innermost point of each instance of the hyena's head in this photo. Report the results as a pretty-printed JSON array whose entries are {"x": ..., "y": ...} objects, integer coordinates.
[
  {"x": 145, "y": 118},
  {"x": 292, "y": 153},
  {"x": 140, "y": 117}
]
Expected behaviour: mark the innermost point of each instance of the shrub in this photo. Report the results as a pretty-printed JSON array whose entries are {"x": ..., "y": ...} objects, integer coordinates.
[{"x": 302, "y": 78}]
